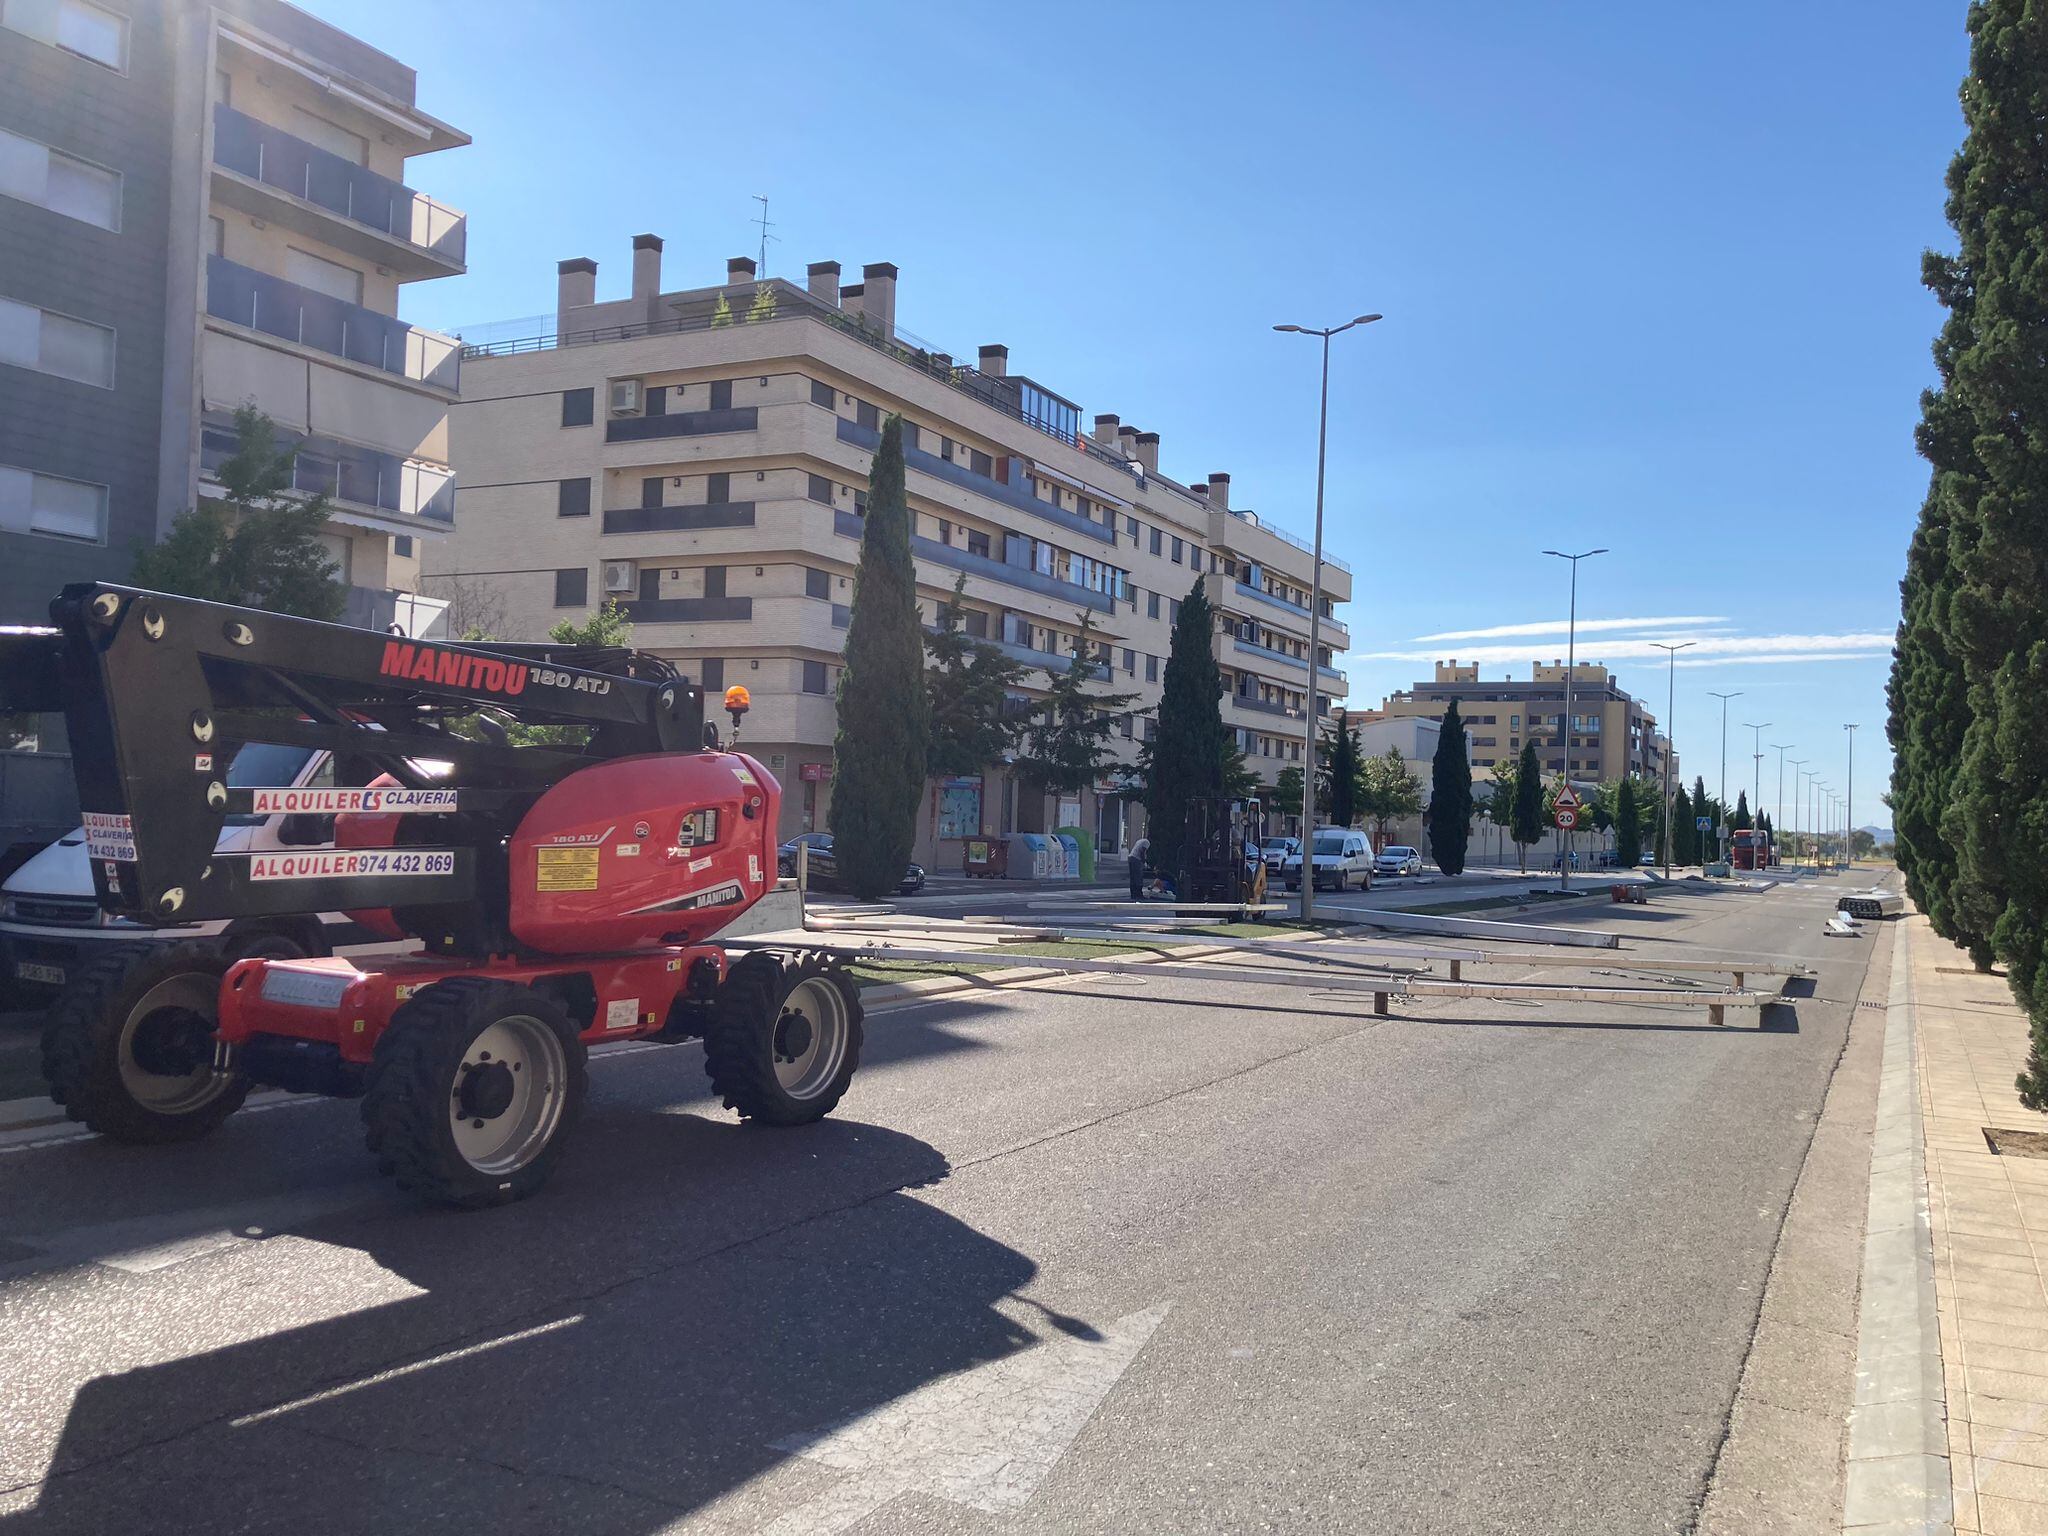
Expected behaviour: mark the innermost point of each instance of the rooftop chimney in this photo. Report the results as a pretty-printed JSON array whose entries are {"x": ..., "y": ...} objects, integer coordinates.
[
  {"x": 1219, "y": 490},
  {"x": 1127, "y": 440},
  {"x": 575, "y": 288},
  {"x": 853, "y": 298},
  {"x": 739, "y": 269},
  {"x": 824, "y": 277},
  {"x": 995, "y": 362},
  {"x": 1148, "y": 451},
  {"x": 646, "y": 269},
  {"x": 1105, "y": 430},
  {"x": 878, "y": 303}
]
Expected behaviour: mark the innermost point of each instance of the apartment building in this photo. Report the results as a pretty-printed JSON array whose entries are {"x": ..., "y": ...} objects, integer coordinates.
[
  {"x": 203, "y": 205},
  {"x": 1611, "y": 734},
  {"x": 702, "y": 454}
]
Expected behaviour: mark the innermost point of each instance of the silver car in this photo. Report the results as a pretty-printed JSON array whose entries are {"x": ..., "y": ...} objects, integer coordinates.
[{"x": 1396, "y": 860}]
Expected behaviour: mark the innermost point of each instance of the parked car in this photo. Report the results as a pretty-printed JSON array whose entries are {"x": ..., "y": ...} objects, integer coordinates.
[
  {"x": 1647, "y": 861},
  {"x": 1274, "y": 850},
  {"x": 1875, "y": 902},
  {"x": 824, "y": 867},
  {"x": 1396, "y": 860},
  {"x": 1340, "y": 860}
]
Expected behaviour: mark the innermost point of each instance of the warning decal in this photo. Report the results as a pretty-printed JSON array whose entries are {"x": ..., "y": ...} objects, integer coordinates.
[
  {"x": 109, "y": 837},
  {"x": 327, "y": 802},
  {"x": 566, "y": 869},
  {"x": 622, "y": 1013}
]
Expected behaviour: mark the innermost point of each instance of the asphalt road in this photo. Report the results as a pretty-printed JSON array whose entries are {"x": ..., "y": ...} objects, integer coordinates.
[{"x": 1107, "y": 1255}]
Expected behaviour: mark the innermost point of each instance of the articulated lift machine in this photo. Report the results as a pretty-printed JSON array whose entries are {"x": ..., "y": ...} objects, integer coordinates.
[{"x": 557, "y": 825}]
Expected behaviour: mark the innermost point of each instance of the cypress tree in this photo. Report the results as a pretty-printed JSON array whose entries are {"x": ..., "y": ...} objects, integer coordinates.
[
  {"x": 1685, "y": 837},
  {"x": 1528, "y": 823},
  {"x": 1343, "y": 775},
  {"x": 884, "y": 713},
  {"x": 1628, "y": 825},
  {"x": 1450, "y": 796},
  {"x": 1186, "y": 761},
  {"x": 1996, "y": 380},
  {"x": 1703, "y": 805},
  {"x": 1740, "y": 821}
]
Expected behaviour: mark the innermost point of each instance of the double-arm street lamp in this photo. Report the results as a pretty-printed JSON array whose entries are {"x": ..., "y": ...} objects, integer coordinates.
[
  {"x": 1670, "y": 733},
  {"x": 1756, "y": 778},
  {"x": 1571, "y": 665},
  {"x": 1718, "y": 820},
  {"x": 1849, "y": 805},
  {"x": 1315, "y": 614}
]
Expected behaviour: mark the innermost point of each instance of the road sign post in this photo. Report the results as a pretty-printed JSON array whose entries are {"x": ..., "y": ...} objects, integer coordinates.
[{"x": 1565, "y": 812}]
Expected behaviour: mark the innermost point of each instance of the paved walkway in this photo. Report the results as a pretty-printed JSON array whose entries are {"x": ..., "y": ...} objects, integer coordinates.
[{"x": 1989, "y": 1215}]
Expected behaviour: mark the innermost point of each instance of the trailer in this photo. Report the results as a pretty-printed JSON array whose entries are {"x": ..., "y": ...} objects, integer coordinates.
[{"x": 567, "y": 864}]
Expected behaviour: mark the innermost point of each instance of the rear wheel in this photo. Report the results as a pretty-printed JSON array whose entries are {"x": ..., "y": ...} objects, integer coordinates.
[
  {"x": 128, "y": 1048},
  {"x": 783, "y": 1037},
  {"x": 472, "y": 1091}
]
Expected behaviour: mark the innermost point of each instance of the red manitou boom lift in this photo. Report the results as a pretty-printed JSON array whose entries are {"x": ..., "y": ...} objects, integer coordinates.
[{"x": 556, "y": 823}]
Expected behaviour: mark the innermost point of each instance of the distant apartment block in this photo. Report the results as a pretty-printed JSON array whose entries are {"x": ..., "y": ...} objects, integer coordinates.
[
  {"x": 204, "y": 206},
  {"x": 1610, "y": 734},
  {"x": 702, "y": 455}
]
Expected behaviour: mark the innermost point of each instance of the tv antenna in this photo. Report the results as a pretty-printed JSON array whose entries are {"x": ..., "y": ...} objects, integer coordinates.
[{"x": 766, "y": 225}]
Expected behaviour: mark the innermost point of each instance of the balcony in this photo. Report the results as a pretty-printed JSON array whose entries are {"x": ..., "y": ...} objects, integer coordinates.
[
  {"x": 636, "y": 429},
  {"x": 1051, "y": 661},
  {"x": 688, "y": 610},
  {"x": 1262, "y": 706},
  {"x": 980, "y": 485},
  {"x": 243, "y": 296},
  {"x": 716, "y": 514},
  {"x": 381, "y": 490},
  {"x": 382, "y": 608},
  {"x": 1012, "y": 575},
  {"x": 277, "y": 176},
  {"x": 1298, "y": 663}
]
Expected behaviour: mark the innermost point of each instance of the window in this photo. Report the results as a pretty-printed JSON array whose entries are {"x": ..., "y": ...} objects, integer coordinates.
[
  {"x": 1151, "y": 673},
  {"x": 656, "y": 399},
  {"x": 1126, "y": 725},
  {"x": 823, "y": 394},
  {"x": 1131, "y": 529},
  {"x": 1157, "y": 540},
  {"x": 1131, "y": 661},
  {"x": 909, "y": 435},
  {"x": 572, "y": 588},
  {"x": 977, "y": 543},
  {"x": 35, "y": 173},
  {"x": 867, "y": 415},
  {"x": 572, "y": 498},
  {"x": 1151, "y": 605},
  {"x": 820, "y": 489},
  {"x": 577, "y": 406},
  {"x": 1176, "y": 551},
  {"x": 975, "y": 623},
  {"x": 323, "y": 276},
  {"x": 216, "y": 234},
  {"x": 1172, "y": 611},
  {"x": 860, "y": 503},
  {"x": 650, "y": 490},
  {"x": 814, "y": 677},
  {"x": 56, "y": 344},
  {"x": 711, "y": 673},
  {"x": 401, "y": 545},
  {"x": 817, "y": 583},
  {"x": 332, "y": 137},
  {"x": 721, "y": 394},
  {"x": 946, "y": 449},
  {"x": 981, "y": 463},
  {"x": 1514, "y": 722},
  {"x": 52, "y": 505},
  {"x": 76, "y": 26},
  {"x": 718, "y": 488}
]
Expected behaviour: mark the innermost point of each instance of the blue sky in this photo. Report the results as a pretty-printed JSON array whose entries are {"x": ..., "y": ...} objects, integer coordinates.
[{"x": 1650, "y": 275}]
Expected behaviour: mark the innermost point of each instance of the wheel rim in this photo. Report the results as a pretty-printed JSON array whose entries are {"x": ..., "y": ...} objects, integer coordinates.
[
  {"x": 176, "y": 1016},
  {"x": 506, "y": 1100},
  {"x": 809, "y": 1042}
]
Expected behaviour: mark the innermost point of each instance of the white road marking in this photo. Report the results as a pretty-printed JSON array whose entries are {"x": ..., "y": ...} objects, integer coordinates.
[{"x": 985, "y": 1437}]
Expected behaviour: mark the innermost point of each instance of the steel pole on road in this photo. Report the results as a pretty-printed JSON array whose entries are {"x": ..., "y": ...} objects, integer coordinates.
[
  {"x": 1723, "y": 791},
  {"x": 1849, "y": 805},
  {"x": 1798, "y": 789},
  {"x": 1756, "y": 771},
  {"x": 1670, "y": 733},
  {"x": 1315, "y": 616},
  {"x": 1571, "y": 665},
  {"x": 1778, "y": 825}
]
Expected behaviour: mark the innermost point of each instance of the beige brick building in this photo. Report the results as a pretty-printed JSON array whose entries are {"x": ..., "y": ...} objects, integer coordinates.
[
  {"x": 702, "y": 454},
  {"x": 1611, "y": 734}
]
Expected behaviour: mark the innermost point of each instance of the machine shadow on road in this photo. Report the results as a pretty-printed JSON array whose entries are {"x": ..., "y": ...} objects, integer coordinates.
[{"x": 553, "y": 1375}]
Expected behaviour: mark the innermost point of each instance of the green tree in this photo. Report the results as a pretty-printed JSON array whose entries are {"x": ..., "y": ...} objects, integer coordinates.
[
  {"x": 969, "y": 684},
  {"x": 1186, "y": 762},
  {"x": 1285, "y": 795},
  {"x": 763, "y": 307},
  {"x": 1238, "y": 778},
  {"x": 1704, "y": 805},
  {"x": 1450, "y": 795},
  {"x": 1628, "y": 825},
  {"x": 1685, "y": 837},
  {"x": 258, "y": 545},
  {"x": 1342, "y": 770},
  {"x": 1067, "y": 742},
  {"x": 884, "y": 711},
  {"x": 721, "y": 313},
  {"x": 1392, "y": 793},
  {"x": 1740, "y": 821},
  {"x": 1526, "y": 819}
]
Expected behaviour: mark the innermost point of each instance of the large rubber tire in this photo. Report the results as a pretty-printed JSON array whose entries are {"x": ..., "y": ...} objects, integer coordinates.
[
  {"x": 463, "y": 1045},
  {"x": 160, "y": 1000},
  {"x": 760, "y": 1061}
]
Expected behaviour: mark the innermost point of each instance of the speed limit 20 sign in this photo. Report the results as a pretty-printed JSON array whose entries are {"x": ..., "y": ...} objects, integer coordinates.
[{"x": 1567, "y": 818}]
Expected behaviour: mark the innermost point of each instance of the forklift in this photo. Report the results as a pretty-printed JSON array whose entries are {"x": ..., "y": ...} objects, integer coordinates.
[
  {"x": 1223, "y": 851},
  {"x": 566, "y": 885}
]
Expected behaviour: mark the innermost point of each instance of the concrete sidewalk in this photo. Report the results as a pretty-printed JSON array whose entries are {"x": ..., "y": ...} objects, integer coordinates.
[{"x": 1989, "y": 1218}]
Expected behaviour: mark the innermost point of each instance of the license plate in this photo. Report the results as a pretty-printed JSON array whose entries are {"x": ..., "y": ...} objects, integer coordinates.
[{"x": 49, "y": 975}]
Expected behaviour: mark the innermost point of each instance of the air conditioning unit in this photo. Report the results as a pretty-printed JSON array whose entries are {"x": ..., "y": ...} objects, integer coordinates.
[
  {"x": 621, "y": 576},
  {"x": 625, "y": 397}
]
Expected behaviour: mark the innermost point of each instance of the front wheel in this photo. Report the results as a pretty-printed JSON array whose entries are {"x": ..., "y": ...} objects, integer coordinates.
[
  {"x": 783, "y": 1037},
  {"x": 472, "y": 1091}
]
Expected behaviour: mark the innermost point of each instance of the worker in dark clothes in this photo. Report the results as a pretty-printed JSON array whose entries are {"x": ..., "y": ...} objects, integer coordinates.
[{"x": 1140, "y": 850}]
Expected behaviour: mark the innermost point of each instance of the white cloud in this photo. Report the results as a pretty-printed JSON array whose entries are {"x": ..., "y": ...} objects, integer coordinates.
[
  {"x": 1709, "y": 650},
  {"x": 1560, "y": 626},
  {"x": 1792, "y": 656}
]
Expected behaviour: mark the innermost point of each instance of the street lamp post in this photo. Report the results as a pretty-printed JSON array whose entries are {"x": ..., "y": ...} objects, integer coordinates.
[
  {"x": 1779, "y": 747},
  {"x": 1670, "y": 733},
  {"x": 1849, "y": 805},
  {"x": 1315, "y": 615},
  {"x": 1724, "y": 698},
  {"x": 1756, "y": 773},
  {"x": 1819, "y": 791},
  {"x": 1571, "y": 665},
  {"x": 1798, "y": 789}
]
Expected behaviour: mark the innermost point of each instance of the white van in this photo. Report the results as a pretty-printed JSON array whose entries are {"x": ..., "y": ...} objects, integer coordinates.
[
  {"x": 51, "y": 925},
  {"x": 1343, "y": 859}
]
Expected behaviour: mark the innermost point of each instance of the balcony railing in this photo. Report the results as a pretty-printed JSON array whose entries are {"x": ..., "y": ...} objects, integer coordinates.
[
  {"x": 1298, "y": 663},
  {"x": 1014, "y": 575},
  {"x": 282, "y": 160},
  {"x": 980, "y": 485},
  {"x": 1263, "y": 706},
  {"x": 716, "y": 514},
  {"x": 243, "y": 296},
  {"x": 687, "y": 610},
  {"x": 1052, "y": 661},
  {"x": 343, "y": 472}
]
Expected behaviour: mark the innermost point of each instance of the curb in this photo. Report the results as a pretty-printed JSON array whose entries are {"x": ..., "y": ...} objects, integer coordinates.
[{"x": 1897, "y": 1476}]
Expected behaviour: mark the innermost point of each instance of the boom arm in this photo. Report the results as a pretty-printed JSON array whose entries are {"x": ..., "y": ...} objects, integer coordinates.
[{"x": 161, "y": 691}]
